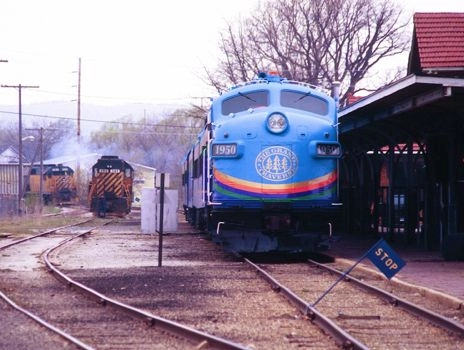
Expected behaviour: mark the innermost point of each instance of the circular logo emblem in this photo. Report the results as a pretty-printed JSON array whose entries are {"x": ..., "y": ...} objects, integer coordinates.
[{"x": 276, "y": 163}]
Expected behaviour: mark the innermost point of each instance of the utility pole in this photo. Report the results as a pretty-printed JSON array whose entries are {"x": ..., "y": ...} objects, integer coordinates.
[
  {"x": 41, "y": 170},
  {"x": 40, "y": 130},
  {"x": 78, "y": 165},
  {"x": 20, "y": 168},
  {"x": 79, "y": 102}
]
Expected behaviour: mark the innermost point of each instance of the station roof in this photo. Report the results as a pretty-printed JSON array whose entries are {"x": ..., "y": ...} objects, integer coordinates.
[
  {"x": 427, "y": 102},
  {"x": 437, "y": 44},
  {"x": 412, "y": 108}
]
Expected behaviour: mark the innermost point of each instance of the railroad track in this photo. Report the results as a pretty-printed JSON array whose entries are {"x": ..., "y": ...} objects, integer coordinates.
[
  {"x": 198, "y": 285},
  {"x": 201, "y": 287},
  {"x": 357, "y": 315},
  {"x": 445, "y": 305},
  {"x": 78, "y": 320},
  {"x": 447, "y": 322}
]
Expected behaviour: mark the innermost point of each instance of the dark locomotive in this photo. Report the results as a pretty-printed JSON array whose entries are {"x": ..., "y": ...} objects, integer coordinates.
[
  {"x": 58, "y": 183},
  {"x": 111, "y": 187}
]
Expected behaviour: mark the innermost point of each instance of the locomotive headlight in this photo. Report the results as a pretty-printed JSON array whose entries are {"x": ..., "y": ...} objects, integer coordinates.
[{"x": 276, "y": 123}]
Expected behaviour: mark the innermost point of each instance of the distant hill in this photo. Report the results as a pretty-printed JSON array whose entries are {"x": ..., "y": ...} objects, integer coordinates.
[{"x": 92, "y": 116}]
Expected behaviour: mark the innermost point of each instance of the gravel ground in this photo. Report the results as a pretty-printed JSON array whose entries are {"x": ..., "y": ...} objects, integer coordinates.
[
  {"x": 20, "y": 333},
  {"x": 374, "y": 321},
  {"x": 24, "y": 280},
  {"x": 197, "y": 285},
  {"x": 425, "y": 268}
]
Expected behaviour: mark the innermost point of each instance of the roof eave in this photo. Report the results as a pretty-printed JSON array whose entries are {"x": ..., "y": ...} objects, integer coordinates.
[
  {"x": 400, "y": 85},
  {"x": 442, "y": 69}
]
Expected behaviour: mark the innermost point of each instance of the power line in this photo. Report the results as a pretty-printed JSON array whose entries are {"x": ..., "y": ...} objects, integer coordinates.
[
  {"x": 107, "y": 122},
  {"x": 147, "y": 133},
  {"x": 124, "y": 98}
]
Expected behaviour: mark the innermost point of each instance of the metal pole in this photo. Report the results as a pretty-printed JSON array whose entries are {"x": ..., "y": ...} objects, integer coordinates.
[
  {"x": 79, "y": 102},
  {"x": 20, "y": 168},
  {"x": 161, "y": 218},
  {"x": 78, "y": 161},
  {"x": 41, "y": 170},
  {"x": 342, "y": 277},
  {"x": 20, "y": 162}
]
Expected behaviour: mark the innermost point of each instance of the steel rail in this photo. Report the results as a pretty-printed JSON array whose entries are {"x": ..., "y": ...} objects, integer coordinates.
[
  {"x": 417, "y": 310},
  {"x": 44, "y": 323},
  {"x": 204, "y": 340},
  {"x": 29, "y": 314},
  {"x": 342, "y": 338},
  {"x": 44, "y": 233}
]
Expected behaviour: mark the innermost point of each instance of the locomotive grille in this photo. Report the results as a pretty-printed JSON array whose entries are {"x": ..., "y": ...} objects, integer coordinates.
[
  {"x": 63, "y": 182},
  {"x": 109, "y": 182}
]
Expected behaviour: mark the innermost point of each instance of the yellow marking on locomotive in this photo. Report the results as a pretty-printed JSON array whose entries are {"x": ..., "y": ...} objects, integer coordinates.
[{"x": 51, "y": 184}]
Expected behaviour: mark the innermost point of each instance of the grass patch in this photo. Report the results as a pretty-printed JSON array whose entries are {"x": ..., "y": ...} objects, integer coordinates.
[{"x": 29, "y": 224}]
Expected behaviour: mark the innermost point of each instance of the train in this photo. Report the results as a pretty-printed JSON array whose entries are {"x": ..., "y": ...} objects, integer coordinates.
[
  {"x": 111, "y": 187},
  {"x": 262, "y": 175},
  {"x": 58, "y": 183}
]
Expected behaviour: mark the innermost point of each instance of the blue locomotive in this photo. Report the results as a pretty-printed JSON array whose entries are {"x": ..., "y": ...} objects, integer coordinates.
[{"x": 263, "y": 174}]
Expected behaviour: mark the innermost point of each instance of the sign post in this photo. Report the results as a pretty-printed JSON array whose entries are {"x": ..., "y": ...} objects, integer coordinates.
[
  {"x": 382, "y": 256},
  {"x": 161, "y": 214}
]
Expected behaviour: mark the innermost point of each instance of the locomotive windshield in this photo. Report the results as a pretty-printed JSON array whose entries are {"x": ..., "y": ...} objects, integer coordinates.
[
  {"x": 304, "y": 101},
  {"x": 244, "y": 101}
]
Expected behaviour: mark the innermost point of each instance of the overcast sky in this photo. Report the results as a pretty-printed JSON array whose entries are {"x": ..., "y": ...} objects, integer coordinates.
[{"x": 131, "y": 51}]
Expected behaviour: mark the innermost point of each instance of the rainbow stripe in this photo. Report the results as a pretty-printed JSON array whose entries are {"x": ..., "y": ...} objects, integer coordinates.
[{"x": 318, "y": 188}]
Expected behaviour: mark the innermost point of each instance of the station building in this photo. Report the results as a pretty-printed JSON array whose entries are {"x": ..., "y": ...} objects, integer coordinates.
[{"x": 402, "y": 173}]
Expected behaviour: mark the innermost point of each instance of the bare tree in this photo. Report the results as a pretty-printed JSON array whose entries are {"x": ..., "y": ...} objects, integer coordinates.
[
  {"x": 153, "y": 142},
  {"x": 317, "y": 41},
  {"x": 53, "y": 133}
]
